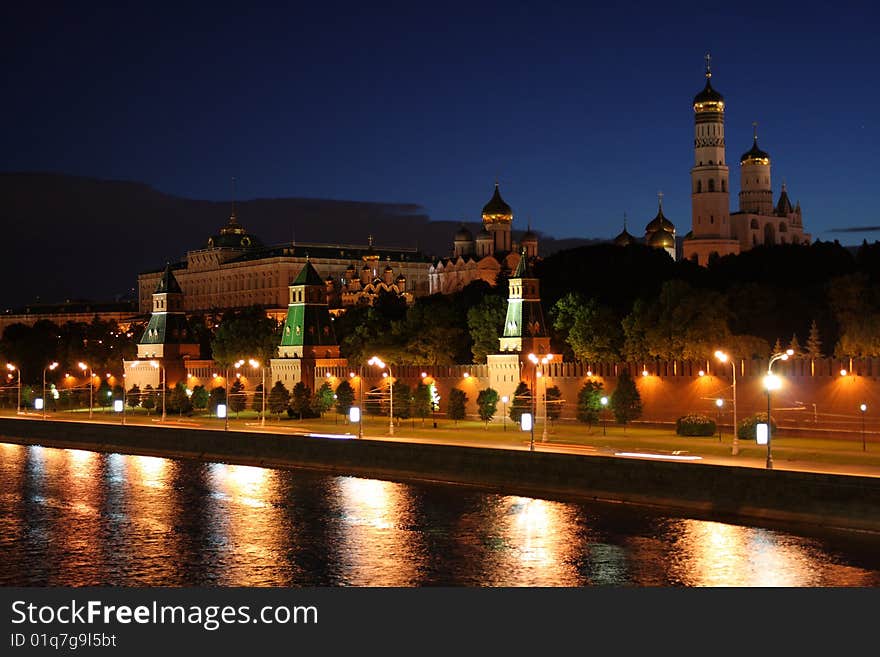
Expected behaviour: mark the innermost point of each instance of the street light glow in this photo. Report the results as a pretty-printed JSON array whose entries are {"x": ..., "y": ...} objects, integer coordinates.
[
  {"x": 772, "y": 382},
  {"x": 720, "y": 355}
]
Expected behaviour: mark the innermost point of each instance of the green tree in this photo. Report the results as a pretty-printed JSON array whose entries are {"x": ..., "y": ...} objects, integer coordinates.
[
  {"x": 118, "y": 392},
  {"x": 216, "y": 397},
  {"x": 554, "y": 401},
  {"x": 422, "y": 401},
  {"x": 485, "y": 323},
  {"x": 300, "y": 400},
  {"x": 104, "y": 394},
  {"x": 279, "y": 399},
  {"x": 626, "y": 402},
  {"x": 344, "y": 397},
  {"x": 178, "y": 401},
  {"x": 487, "y": 405},
  {"x": 681, "y": 323},
  {"x": 521, "y": 402},
  {"x": 592, "y": 332},
  {"x": 257, "y": 403},
  {"x": 237, "y": 397},
  {"x": 589, "y": 404},
  {"x": 149, "y": 400},
  {"x": 402, "y": 400},
  {"x": 457, "y": 404},
  {"x": 814, "y": 343},
  {"x": 323, "y": 399},
  {"x": 133, "y": 397},
  {"x": 244, "y": 334},
  {"x": 200, "y": 398}
]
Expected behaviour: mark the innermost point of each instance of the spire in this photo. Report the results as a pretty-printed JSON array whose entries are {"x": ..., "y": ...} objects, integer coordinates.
[
  {"x": 708, "y": 66},
  {"x": 624, "y": 222},
  {"x": 755, "y": 131},
  {"x": 232, "y": 215},
  {"x": 660, "y": 201}
]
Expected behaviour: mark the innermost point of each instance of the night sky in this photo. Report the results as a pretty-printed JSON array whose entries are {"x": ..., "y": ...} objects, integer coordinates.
[{"x": 583, "y": 113}]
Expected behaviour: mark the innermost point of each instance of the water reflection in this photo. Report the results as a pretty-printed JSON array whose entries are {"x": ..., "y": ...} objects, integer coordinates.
[{"x": 70, "y": 517}]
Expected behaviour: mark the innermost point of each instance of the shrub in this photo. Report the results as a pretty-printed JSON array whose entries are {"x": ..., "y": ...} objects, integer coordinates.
[
  {"x": 695, "y": 425},
  {"x": 746, "y": 430}
]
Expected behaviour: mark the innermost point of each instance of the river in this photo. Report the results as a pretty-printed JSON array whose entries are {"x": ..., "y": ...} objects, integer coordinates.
[{"x": 79, "y": 518}]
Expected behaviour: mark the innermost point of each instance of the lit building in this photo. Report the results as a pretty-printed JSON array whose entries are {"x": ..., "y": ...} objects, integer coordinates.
[
  {"x": 492, "y": 252},
  {"x": 236, "y": 270},
  {"x": 715, "y": 230}
]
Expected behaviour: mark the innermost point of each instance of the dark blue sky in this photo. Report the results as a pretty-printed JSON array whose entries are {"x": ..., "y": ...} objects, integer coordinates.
[{"x": 582, "y": 112}]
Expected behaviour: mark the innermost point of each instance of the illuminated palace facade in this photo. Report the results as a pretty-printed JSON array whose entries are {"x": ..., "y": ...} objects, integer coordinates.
[
  {"x": 236, "y": 270},
  {"x": 491, "y": 253},
  {"x": 716, "y": 231}
]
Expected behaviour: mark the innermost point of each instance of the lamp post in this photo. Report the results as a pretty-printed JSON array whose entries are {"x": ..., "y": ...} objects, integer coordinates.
[
  {"x": 720, "y": 403},
  {"x": 542, "y": 361},
  {"x": 13, "y": 368},
  {"x": 161, "y": 367},
  {"x": 255, "y": 364},
  {"x": 604, "y": 402},
  {"x": 85, "y": 367},
  {"x": 375, "y": 360},
  {"x": 50, "y": 366},
  {"x": 504, "y": 401},
  {"x": 863, "y": 408},
  {"x": 723, "y": 357},
  {"x": 772, "y": 382}
]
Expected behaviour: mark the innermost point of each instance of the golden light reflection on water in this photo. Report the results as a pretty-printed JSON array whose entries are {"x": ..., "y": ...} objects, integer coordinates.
[
  {"x": 379, "y": 546},
  {"x": 539, "y": 533},
  {"x": 708, "y": 553},
  {"x": 249, "y": 527},
  {"x": 148, "y": 470}
]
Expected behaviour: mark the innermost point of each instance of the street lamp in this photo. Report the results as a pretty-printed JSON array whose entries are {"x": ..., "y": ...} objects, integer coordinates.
[
  {"x": 50, "y": 366},
  {"x": 542, "y": 361},
  {"x": 863, "y": 408},
  {"x": 773, "y": 382},
  {"x": 504, "y": 401},
  {"x": 13, "y": 368},
  {"x": 375, "y": 360},
  {"x": 604, "y": 402},
  {"x": 85, "y": 367},
  {"x": 158, "y": 365},
  {"x": 720, "y": 403},
  {"x": 723, "y": 357},
  {"x": 255, "y": 364}
]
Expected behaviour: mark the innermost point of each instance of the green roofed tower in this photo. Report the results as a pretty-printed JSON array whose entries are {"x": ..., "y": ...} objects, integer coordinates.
[
  {"x": 308, "y": 331},
  {"x": 167, "y": 334},
  {"x": 524, "y": 327}
]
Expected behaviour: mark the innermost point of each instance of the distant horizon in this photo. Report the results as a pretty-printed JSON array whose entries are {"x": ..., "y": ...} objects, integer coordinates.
[{"x": 401, "y": 203}]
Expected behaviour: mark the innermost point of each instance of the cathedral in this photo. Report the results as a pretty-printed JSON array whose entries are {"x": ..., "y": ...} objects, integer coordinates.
[
  {"x": 716, "y": 231},
  {"x": 492, "y": 252}
]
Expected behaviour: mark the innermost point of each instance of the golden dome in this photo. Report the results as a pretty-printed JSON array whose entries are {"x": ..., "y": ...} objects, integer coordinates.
[{"x": 496, "y": 210}]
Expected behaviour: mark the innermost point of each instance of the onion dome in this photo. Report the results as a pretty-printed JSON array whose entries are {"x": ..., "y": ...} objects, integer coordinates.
[
  {"x": 708, "y": 95},
  {"x": 528, "y": 237},
  {"x": 484, "y": 235},
  {"x": 755, "y": 155},
  {"x": 400, "y": 278},
  {"x": 624, "y": 239},
  {"x": 388, "y": 268},
  {"x": 660, "y": 222},
  {"x": 708, "y": 100},
  {"x": 661, "y": 240},
  {"x": 496, "y": 210},
  {"x": 463, "y": 234}
]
